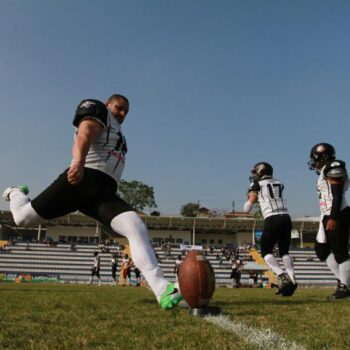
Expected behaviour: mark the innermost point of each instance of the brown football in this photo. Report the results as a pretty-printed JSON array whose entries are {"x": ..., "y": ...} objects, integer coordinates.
[{"x": 196, "y": 279}]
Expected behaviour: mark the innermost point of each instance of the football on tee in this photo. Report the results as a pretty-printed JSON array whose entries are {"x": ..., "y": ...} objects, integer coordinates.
[{"x": 196, "y": 279}]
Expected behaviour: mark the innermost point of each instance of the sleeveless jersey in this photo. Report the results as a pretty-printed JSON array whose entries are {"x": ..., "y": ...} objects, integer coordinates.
[
  {"x": 325, "y": 193},
  {"x": 107, "y": 154},
  {"x": 269, "y": 197}
]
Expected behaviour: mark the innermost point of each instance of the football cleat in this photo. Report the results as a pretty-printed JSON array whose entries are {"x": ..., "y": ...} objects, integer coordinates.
[
  {"x": 342, "y": 293},
  {"x": 171, "y": 297},
  {"x": 6, "y": 194},
  {"x": 289, "y": 290},
  {"x": 284, "y": 283}
]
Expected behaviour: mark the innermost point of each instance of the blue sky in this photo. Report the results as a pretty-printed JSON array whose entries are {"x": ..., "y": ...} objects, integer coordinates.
[{"x": 215, "y": 87}]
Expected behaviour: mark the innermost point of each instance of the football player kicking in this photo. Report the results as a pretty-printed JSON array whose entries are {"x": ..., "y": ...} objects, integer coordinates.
[
  {"x": 90, "y": 185},
  {"x": 277, "y": 224},
  {"x": 333, "y": 235}
]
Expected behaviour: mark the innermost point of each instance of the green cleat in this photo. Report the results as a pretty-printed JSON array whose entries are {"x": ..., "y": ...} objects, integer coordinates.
[
  {"x": 171, "y": 297},
  {"x": 6, "y": 194}
]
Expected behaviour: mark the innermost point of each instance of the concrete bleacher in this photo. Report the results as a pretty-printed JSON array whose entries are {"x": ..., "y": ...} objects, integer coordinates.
[
  {"x": 74, "y": 266},
  {"x": 42, "y": 259},
  {"x": 311, "y": 273}
]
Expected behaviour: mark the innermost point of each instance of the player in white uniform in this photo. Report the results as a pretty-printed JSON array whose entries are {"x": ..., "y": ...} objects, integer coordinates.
[
  {"x": 95, "y": 269},
  {"x": 90, "y": 185},
  {"x": 277, "y": 224},
  {"x": 333, "y": 235}
]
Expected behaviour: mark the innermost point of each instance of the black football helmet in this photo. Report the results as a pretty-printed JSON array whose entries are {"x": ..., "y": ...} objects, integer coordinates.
[
  {"x": 321, "y": 154},
  {"x": 261, "y": 171}
]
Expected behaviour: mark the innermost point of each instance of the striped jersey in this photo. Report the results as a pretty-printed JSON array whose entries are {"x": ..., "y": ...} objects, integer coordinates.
[
  {"x": 325, "y": 193},
  {"x": 108, "y": 152},
  {"x": 269, "y": 196}
]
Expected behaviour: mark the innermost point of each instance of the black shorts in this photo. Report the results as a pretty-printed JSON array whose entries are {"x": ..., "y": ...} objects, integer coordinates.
[
  {"x": 235, "y": 274},
  {"x": 277, "y": 229},
  {"x": 95, "y": 271},
  {"x": 338, "y": 240},
  {"x": 114, "y": 271},
  {"x": 94, "y": 196}
]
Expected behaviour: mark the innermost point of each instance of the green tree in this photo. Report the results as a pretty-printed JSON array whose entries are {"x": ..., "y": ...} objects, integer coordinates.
[
  {"x": 256, "y": 211},
  {"x": 137, "y": 194},
  {"x": 189, "y": 209}
]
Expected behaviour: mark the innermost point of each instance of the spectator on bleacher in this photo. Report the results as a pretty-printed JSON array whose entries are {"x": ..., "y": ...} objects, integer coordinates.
[
  {"x": 126, "y": 269},
  {"x": 178, "y": 262},
  {"x": 73, "y": 247},
  {"x": 253, "y": 278},
  {"x": 277, "y": 224},
  {"x": 114, "y": 264},
  {"x": 5, "y": 248},
  {"x": 27, "y": 246},
  {"x": 137, "y": 276},
  {"x": 95, "y": 269},
  {"x": 211, "y": 249},
  {"x": 333, "y": 235},
  {"x": 236, "y": 273},
  {"x": 90, "y": 186},
  {"x": 167, "y": 249}
]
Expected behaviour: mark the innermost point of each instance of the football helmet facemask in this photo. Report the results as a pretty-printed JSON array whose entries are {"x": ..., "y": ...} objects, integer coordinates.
[
  {"x": 261, "y": 171},
  {"x": 321, "y": 154}
]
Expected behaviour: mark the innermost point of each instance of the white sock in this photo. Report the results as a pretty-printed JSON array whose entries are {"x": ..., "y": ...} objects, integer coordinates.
[
  {"x": 132, "y": 227},
  {"x": 333, "y": 265},
  {"x": 344, "y": 272},
  {"x": 22, "y": 210},
  {"x": 273, "y": 264},
  {"x": 288, "y": 264}
]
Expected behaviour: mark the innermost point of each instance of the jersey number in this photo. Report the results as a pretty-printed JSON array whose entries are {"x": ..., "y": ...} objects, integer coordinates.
[{"x": 275, "y": 190}]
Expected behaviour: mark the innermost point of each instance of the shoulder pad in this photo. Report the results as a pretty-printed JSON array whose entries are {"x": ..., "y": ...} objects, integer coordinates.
[
  {"x": 254, "y": 187},
  {"x": 335, "y": 169},
  {"x": 91, "y": 108}
]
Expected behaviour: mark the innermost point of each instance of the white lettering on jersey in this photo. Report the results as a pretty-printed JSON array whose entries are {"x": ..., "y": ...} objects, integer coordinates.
[
  {"x": 325, "y": 194},
  {"x": 270, "y": 198},
  {"x": 107, "y": 154}
]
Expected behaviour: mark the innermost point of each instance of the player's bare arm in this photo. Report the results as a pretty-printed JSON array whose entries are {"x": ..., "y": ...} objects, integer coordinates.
[
  {"x": 252, "y": 198},
  {"x": 87, "y": 133}
]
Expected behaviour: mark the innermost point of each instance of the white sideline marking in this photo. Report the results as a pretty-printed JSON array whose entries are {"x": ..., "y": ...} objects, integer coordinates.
[{"x": 262, "y": 338}]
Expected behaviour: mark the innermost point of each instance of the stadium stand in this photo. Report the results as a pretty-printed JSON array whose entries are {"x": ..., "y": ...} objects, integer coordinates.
[{"x": 74, "y": 266}]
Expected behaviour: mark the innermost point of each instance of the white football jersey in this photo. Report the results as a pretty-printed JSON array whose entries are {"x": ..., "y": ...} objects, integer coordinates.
[
  {"x": 107, "y": 154},
  {"x": 97, "y": 261},
  {"x": 270, "y": 197},
  {"x": 325, "y": 193}
]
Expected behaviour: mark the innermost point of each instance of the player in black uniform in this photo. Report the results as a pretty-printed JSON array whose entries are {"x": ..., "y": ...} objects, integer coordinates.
[
  {"x": 277, "y": 224},
  {"x": 333, "y": 235}
]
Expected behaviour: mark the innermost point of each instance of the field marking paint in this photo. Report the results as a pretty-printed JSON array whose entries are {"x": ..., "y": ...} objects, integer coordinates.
[{"x": 262, "y": 338}]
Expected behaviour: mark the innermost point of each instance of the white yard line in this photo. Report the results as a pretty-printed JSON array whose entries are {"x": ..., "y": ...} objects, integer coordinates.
[{"x": 262, "y": 338}]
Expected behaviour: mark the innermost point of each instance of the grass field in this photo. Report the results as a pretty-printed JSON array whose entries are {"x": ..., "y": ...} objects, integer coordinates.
[{"x": 51, "y": 316}]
